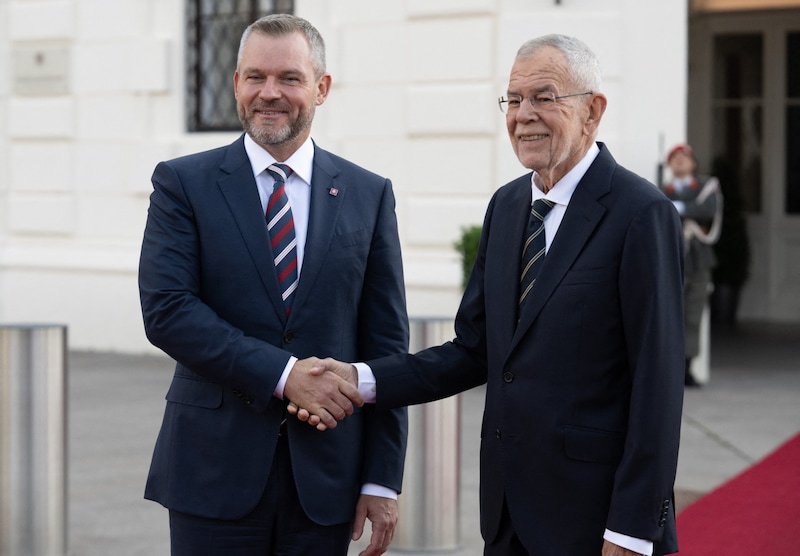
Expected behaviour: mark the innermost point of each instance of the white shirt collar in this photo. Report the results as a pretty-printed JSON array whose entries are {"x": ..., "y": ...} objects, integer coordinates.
[
  {"x": 563, "y": 189},
  {"x": 301, "y": 162}
]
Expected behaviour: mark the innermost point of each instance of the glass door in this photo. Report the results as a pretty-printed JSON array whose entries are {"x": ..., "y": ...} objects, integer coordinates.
[{"x": 744, "y": 122}]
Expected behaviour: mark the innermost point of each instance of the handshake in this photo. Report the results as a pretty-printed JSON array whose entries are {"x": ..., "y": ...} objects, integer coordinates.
[{"x": 322, "y": 392}]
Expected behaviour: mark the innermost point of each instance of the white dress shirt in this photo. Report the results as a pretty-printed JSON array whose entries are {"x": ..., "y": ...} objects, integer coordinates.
[{"x": 298, "y": 185}]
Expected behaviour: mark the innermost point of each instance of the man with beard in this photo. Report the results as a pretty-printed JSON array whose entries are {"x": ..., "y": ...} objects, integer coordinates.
[{"x": 255, "y": 257}]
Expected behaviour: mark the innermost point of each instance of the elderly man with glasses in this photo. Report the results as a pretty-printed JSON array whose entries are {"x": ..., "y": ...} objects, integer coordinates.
[{"x": 573, "y": 319}]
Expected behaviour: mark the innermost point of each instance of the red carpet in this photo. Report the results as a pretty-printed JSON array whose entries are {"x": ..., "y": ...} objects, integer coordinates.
[{"x": 757, "y": 512}]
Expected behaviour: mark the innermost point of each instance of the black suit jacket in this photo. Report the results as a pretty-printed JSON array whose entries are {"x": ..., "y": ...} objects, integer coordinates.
[
  {"x": 210, "y": 300},
  {"x": 583, "y": 395}
]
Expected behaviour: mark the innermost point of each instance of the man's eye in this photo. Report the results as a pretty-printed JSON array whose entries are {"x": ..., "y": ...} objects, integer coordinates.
[
  {"x": 544, "y": 99},
  {"x": 514, "y": 101}
]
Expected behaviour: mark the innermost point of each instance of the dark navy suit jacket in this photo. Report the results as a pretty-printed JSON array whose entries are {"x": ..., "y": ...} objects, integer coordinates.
[
  {"x": 584, "y": 395},
  {"x": 210, "y": 300}
]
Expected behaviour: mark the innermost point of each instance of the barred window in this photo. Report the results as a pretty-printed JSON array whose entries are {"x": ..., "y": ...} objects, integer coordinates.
[{"x": 214, "y": 28}]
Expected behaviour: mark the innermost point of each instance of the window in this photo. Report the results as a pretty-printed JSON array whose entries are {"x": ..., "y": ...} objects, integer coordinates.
[
  {"x": 793, "y": 123},
  {"x": 738, "y": 107},
  {"x": 214, "y": 28}
]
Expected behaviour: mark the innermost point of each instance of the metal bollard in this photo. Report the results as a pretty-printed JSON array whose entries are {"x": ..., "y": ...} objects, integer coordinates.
[
  {"x": 33, "y": 488},
  {"x": 429, "y": 504}
]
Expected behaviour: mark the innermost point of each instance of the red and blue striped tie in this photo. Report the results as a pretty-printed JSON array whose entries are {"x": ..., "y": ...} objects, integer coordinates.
[{"x": 280, "y": 225}]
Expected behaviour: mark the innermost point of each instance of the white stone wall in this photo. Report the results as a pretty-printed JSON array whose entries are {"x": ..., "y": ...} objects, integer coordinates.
[
  {"x": 415, "y": 91},
  {"x": 414, "y": 98}
]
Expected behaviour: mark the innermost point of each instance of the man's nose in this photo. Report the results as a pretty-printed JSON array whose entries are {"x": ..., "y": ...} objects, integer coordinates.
[
  {"x": 526, "y": 112},
  {"x": 269, "y": 89}
]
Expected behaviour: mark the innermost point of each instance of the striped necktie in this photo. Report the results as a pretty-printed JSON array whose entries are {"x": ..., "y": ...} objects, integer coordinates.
[
  {"x": 280, "y": 225},
  {"x": 533, "y": 250}
]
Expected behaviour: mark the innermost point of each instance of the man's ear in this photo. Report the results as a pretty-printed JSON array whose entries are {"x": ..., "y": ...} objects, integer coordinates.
[
  {"x": 596, "y": 109},
  {"x": 323, "y": 88}
]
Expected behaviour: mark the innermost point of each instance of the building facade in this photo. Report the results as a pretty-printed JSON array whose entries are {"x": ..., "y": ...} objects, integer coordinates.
[{"x": 94, "y": 93}]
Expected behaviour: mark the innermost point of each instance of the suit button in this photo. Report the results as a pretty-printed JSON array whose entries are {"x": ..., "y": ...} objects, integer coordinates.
[
  {"x": 508, "y": 376},
  {"x": 498, "y": 434},
  {"x": 288, "y": 337}
]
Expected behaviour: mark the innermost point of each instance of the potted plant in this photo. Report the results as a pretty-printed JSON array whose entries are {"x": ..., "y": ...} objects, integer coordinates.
[{"x": 467, "y": 246}]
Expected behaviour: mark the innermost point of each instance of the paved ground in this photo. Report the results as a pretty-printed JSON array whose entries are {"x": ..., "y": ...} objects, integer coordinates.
[{"x": 749, "y": 407}]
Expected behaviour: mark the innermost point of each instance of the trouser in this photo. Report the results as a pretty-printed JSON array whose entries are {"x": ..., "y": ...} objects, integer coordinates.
[{"x": 277, "y": 526}]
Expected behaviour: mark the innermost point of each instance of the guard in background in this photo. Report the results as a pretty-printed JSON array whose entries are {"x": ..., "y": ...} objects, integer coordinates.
[{"x": 699, "y": 202}]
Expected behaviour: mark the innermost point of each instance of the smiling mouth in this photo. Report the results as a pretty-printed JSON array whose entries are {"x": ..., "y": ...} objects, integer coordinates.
[
  {"x": 534, "y": 137},
  {"x": 268, "y": 112}
]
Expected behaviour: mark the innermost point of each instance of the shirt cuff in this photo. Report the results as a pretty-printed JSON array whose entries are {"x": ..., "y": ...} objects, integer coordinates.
[
  {"x": 367, "y": 385},
  {"x": 631, "y": 543},
  {"x": 278, "y": 393},
  {"x": 373, "y": 489}
]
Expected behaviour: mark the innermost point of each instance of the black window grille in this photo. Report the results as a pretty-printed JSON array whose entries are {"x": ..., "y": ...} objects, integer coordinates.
[{"x": 213, "y": 31}]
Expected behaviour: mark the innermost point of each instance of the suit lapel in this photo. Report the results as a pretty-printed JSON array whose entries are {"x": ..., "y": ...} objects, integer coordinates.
[
  {"x": 508, "y": 227},
  {"x": 238, "y": 186},
  {"x": 582, "y": 217},
  {"x": 323, "y": 214}
]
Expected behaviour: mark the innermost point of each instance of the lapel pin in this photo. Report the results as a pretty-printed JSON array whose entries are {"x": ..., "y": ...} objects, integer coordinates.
[{"x": 333, "y": 192}]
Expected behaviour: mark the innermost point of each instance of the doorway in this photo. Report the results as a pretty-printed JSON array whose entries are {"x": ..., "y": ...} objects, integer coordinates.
[{"x": 744, "y": 121}]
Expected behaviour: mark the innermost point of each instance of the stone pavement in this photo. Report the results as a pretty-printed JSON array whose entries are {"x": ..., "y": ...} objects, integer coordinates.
[{"x": 750, "y": 406}]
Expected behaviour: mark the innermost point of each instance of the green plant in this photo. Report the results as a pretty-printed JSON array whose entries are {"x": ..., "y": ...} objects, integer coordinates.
[
  {"x": 733, "y": 248},
  {"x": 467, "y": 246}
]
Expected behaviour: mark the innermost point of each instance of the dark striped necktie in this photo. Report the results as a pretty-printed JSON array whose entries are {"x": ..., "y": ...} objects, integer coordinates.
[
  {"x": 534, "y": 248},
  {"x": 280, "y": 225}
]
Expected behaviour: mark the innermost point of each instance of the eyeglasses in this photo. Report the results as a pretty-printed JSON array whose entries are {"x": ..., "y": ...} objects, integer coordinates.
[{"x": 541, "y": 102}]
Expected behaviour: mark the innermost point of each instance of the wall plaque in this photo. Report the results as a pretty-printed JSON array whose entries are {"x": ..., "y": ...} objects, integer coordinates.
[{"x": 41, "y": 71}]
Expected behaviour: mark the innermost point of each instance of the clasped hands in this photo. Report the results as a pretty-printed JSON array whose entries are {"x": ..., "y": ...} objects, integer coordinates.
[{"x": 322, "y": 392}]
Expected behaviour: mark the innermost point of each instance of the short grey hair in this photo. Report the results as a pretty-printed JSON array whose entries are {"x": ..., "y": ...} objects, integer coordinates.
[
  {"x": 584, "y": 66},
  {"x": 278, "y": 25}
]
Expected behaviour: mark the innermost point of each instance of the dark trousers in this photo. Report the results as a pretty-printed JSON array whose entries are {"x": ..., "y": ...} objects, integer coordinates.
[
  {"x": 276, "y": 527},
  {"x": 507, "y": 542}
]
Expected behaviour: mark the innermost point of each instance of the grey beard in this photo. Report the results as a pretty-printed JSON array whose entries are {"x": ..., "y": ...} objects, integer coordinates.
[{"x": 266, "y": 136}]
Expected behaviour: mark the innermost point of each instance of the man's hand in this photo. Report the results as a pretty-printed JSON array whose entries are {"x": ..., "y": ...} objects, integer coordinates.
[
  {"x": 325, "y": 396},
  {"x": 382, "y": 513},
  {"x": 344, "y": 370},
  {"x": 611, "y": 549}
]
